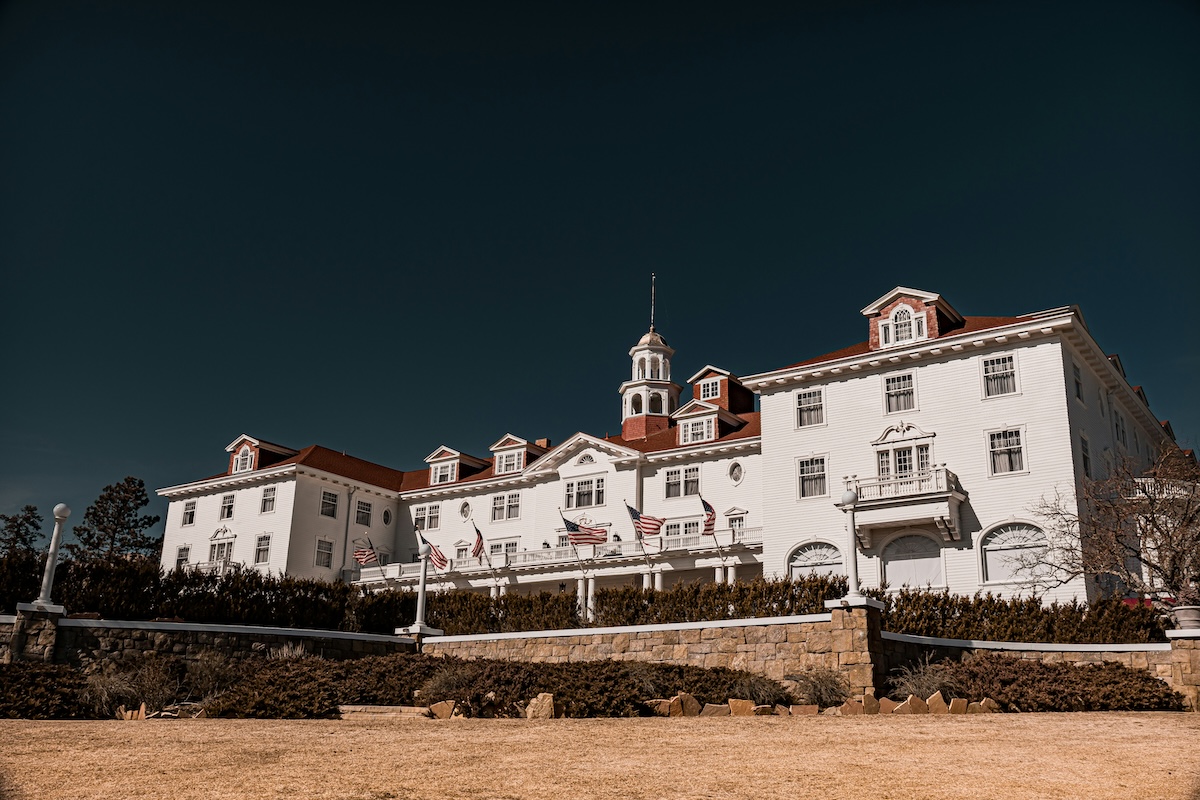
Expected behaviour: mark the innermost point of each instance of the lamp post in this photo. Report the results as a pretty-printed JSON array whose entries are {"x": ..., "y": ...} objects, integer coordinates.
[
  {"x": 61, "y": 512},
  {"x": 848, "y": 500},
  {"x": 419, "y": 629}
]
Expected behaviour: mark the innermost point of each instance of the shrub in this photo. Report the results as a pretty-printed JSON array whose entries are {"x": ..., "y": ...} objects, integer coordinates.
[
  {"x": 157, "y": 682},
  {"x": 924, "y": 678},
  {"x": 694, "y": 602},
  {"x": 35, "y": 690},
  {"x": 821, "y": 686}
]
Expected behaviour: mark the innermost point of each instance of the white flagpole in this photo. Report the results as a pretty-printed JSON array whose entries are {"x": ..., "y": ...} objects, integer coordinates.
[
  {"x": 640, "y": 539},
  {"x": 486, "y": 556}
]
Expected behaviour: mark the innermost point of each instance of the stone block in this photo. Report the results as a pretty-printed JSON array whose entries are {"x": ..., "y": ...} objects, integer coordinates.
[
  {"x": 715, "y": 710},
  {"x": 782, "y": 711},
  {"x": 937, "y": 704},
  {"x": 675, "y": 707},
  {"x": 776, "y": 634},
  {"x": 689, "y": 704},
  {"x": 852, "y": 708},
  {"x": 918, "y": 705},
  {"x": 659, "y": 707},
  {"x": 975, "y": 708},
  {"x": 691, "y": 636},
  {"x": 843, "y": 640},
  {"x": 819, "y": 642},
  {"x": 870, "y": 704},
  {"x": 887, "y": 705},
  {"x": 543, "y": 707},
  {"x": 442, "y": 710},
  {"x": 764, "y": 711},
  {"x": 805, "y": 710},
  {"x": 754, "y": 634},
  {"x": 958, "y": 706},
  {"x": 741, "y": 708},
  {"x": 905, "y": 707},
  {"x": 989, "y": 705}
]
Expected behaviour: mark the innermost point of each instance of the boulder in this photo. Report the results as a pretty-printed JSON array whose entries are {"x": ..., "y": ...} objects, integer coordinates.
[
  {"x": 937, "y": 704},
  {"x": 990, "y": 705},
  {"x": 976, "y": 708},
  {"x": 659, "y": 707},
  {"x": 690, "y": 705},
  {"x": 442, "y": 710},
  {"x": 958, "y": 706},
  {"x": 887, "y": 705},
  {"x": 741, "y": 708},
  {"x": 782, "y": 711},
  {"x": 675, "y": 707},
  {"x": 805, "y": 710},
  {"x": 870, "y": 704},
  {"x": 543, "y": 707},
  {"x": 852, "y": 708},
  {"x": 903, "y": 708},
  {"x": 832, "y": 711},
  {"x": 715, "y": 710},
  {"x": 764, "y": 711},
  {"x": 918, "y": 705}
]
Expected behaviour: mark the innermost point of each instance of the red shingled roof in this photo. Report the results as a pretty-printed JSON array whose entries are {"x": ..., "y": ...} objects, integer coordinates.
[
  {"x": 669, "y": 439},
  {"x": 971, "y": 325},
  {"x": 357, "y": 469}
]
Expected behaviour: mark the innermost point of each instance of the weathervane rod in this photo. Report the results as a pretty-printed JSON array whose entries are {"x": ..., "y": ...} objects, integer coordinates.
[{"x": 651, "y": 301}]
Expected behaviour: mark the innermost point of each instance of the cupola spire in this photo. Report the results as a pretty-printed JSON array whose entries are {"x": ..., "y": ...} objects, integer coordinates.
[{"x": 651, "y": 301}]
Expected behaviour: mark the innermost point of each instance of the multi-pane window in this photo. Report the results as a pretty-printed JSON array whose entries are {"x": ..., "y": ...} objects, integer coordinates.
[
  {"x": 737, "y": 523},
  {"x": 899, "y": 462},
  {"x": 903, "y": 327},
  {"x": 697, "y": 431},
  {"x": 1078, "y": 381},
  {"x": 903, "y": 322},
  {"x": 710, "y": 390},
  {"x": 1086, "y": 456},
  {"x": 427, "y": 518},
  {"x": 362, "y": 513},
  {"x": 1006, "y": 453},
  {"x": 461, "y": 553},
  {"x": 497, "y": 508},
  {"x": 220, "y": 551},
  {"x": 329, "y": 503},
  {"x": 227, "y": 507},
  {"x": 506, "y": 506},
  {"x": 585, "y": 492},
  {"x": 268, "y": 500},
  {"x": 324, "y": 554},
  {"x": 691, "y": 527},
  {"x": 899, "y": 393},
  {"x": 691, "y": 481},
  {"x": 923, "y": 464},
  {"x": 564, "y": 540},
  {"x": 508, "y": 462},
  {"x": 495, "y": 548},
  {"x": 262, "y": 550},
  {"x": 510, "y": 547},
  {"x": 674, "y": 486},
  {"x": 245, "y": 460},
  {"x": 189, "y": 512},
  {"x": 810, "y": 408},
  {"x": 812, "y": 477},
  {"x": 442, "y": 473},
  {"x": 671, "y": 529},
  {"x": 181, "y": 557},
  {"x": 999, "y": 376}
]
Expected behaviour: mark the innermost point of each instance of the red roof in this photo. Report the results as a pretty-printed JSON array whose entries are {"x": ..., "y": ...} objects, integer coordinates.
[
  {"x": 669, "y": 439},
  {"x": 357, "y": 469},
  {"x": 970, "y": 325}
]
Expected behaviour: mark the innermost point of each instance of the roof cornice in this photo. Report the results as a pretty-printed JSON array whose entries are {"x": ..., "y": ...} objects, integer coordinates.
[
  {"x": 750, "y": 443},
  {"x": 226, "y": 481}
]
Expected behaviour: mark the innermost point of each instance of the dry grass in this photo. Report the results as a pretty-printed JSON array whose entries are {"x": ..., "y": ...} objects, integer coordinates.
[{"x": 1117, "y": 755}]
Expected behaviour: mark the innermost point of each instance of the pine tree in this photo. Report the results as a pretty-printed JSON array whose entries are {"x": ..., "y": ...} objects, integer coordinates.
[
  {"x": 19, "y": 531},
  {"x": 112, "y": 525}
]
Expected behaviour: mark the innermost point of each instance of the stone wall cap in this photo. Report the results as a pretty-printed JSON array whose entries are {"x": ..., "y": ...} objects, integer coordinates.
[
  {"x": 1184, "y": 633},
  {"x": 41, "y": 608},
  {"x": 744, "y": 622},
  {"x": 854, "y": 602},
  {"x": 8, "y": 619},
  {"x": 308, "y": 633},
  {"x": 1046, "y": 647}
]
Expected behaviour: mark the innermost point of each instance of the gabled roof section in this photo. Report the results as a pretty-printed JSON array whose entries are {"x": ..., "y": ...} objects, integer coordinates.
[
  {"x": 508, "y": 441},
  {"x": 443, "y": 453},
  {"x": 669, "y": 438},
  {"x": 929, "y": 298},
  {"x": 614, "y": 446},
  {"x": 702, "y": 408},
  {"x": 261, "y": 444},
  {"x": 1116, "y": 362},
  {"x": 709, "y": 368}
]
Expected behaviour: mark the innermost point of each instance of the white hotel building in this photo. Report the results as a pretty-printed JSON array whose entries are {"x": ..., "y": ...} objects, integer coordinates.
[{"x": 950, "y": 429}]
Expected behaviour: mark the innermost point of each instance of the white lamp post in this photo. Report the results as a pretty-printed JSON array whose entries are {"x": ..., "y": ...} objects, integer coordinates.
[
  {"x": 848, "y": 500},
  {"x": 43, "y": 603},
  {"x": 419, "y": 629}
]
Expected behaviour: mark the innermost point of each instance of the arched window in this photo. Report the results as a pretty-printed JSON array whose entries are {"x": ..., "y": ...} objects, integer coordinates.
[
  {"x": 656, "y": 403},
  {"x": 641, "y": 368},
  {"x": 666, "y": 370},
  {"x": 1006, "y": 547},
  {"x": 817, "y": 558},
  {"x": 636, "y": 405},
  {"x": 912, "y": 561},
  {"x": 245, "y": 459},
  {"x": 654, "y": 369},
  {"x": 903, "y": 322}
]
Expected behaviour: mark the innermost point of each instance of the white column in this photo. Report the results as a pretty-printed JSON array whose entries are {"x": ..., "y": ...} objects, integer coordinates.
[
  {"x": 731, "y": 573},
  {"x": 591, "y": 598},
  {"x": 658, "y": 581},
  {"x": 504, "y": 588},
  {"x": 719, "y": 574},
  {"x": 495, "y": 591},
  {"x": 646, "y": 580},
  {"x": 581, "y": 597},
  {"x": 61, "y": 512},
  {"x": 848, "y": 501}
]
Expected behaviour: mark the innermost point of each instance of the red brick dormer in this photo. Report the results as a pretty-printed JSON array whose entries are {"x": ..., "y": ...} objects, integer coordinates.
[
  {"x": 247, "y": 454},
  {"x": 722, "y": 389},
  {"x": 904, "y": 316}
]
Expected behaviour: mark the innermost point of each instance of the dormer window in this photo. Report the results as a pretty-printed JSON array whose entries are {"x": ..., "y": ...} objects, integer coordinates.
[
  {"x": 700, "y": 430},
  {"x": 710, "y": 390},
  {"x": 245, "y": 459},
  {"x": 443, "y": 473},
  {"x": 510, "y": 462},
  {"x": 903, "y": 326}
]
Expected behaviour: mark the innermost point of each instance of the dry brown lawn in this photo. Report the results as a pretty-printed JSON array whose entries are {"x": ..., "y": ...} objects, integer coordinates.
[{"x": 1010, "y": 755}]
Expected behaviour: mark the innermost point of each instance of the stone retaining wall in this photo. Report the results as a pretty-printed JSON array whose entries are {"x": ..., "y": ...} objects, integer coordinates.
[{"x": 774, "y": 646}]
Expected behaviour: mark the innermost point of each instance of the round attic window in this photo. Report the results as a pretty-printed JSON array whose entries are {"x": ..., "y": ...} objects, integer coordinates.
[
  {"x": 464, "y": 510},
  {"x": 387, "y": 516},
  {"x": 736, "y": 473}
]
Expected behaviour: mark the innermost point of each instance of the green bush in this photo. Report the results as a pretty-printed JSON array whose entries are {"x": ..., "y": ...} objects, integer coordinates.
[
  {"x": 1019, "y": 684},
  {"x": 20, "y": 578},
  {"x": 35, "y": 690}
]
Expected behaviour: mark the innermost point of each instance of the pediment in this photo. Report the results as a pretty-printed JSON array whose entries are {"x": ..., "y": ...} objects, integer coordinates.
[
  {"x": 566, "y": 451},
  {"x": 443, "y": 453},
  {"x": 508, "y": 441},
  {"x": 695, "y": 408},
  {"x": 245, "y": 438},
  {"x": 902, "y": 432},
  {"x": 709, "y": 371},
  {"x": 736, "y": 512}
]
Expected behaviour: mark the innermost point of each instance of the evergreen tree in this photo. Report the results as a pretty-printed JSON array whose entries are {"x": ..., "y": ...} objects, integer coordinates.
[
  {"x": 112, "y": 525},
  {"x": 19, "y": 532}
]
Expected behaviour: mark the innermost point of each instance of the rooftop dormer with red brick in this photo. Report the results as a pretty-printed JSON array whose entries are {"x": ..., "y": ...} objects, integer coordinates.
[
  {"x": 904, "y": 315},
  {"x": 722, "y": 389},
  {"x": 447, "y": 465},
  {"x": 247, "y": 454},
  {"x": 512, "y": 454}
]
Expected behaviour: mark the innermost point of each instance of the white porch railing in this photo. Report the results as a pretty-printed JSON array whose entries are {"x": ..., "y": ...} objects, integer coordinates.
[
  {"x": 938, "y": 479},
  {"x": 216, "y": 567}
]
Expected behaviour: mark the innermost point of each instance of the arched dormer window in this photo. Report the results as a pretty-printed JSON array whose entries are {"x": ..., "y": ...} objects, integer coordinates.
[
  {"x": 641, "y": 368},
  {"x": 902, "y": 326},
  {"x": 245, "y": 459},
  {"x": 656, "y": 405}
]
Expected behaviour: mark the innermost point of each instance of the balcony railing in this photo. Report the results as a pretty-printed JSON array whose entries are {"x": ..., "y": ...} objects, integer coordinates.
[
  {"x": 216, "y": 567},
  {"x": 938, "y": 479}
]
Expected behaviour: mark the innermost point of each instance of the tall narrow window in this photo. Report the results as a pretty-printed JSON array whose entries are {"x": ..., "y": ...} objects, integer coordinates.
[
  {"x": 904, "y": 462},
  {"x": 999, "y": 376},
  {"x": 498, "y": 508},
  {"x": 362, "y": 513},
  {"x": 900, "y": 393},
  {"x": 923, "y": 464},
  {"x": 435, "y": 517},
  {"x": 329, "y": 503},
  {"x": 189, "y": 512},
  {"x": 812, "y": 477},
  {"x": 1085, "y": 454},
  {"x": 810, "y": 408},
  {"x": 262, "y": 550},
  {"x": 245, "y": 460},
  {"x": 674, "y": 487},
  {"x": 324, "y": 554},
  {"x": 903, "y": 322},
  {"x": 691, "y": 481},
  {"x": 227, "y": 507},
  {"x": 181, "y": 557},
  {"x": 885, "y": 464},
  {"x": 1006, "y": 452},
  {"x": 1078, "y": 381},
  {"x": 268, "y": 500},
  {"x": 513, "y": 506}
]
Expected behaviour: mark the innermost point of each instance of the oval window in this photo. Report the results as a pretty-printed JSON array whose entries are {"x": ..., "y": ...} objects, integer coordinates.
[
  {"x": 736, "y": 473},
  {"x": 464, "y": 510},
  {"x": 387, "y": 516}
]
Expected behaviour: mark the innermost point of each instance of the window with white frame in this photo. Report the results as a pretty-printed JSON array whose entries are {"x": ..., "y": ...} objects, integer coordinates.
[
  {"x": 1119, "y": 427},
  {"x": 324, "y": 554},
  {"x": 674, "y": 486},
  {"x": 1006, "y": 451},
  {"x": 810, "y": 408},
  {"x": 329, "y": 504},
  {"x": 189, "y": 512},
  {"x": 564, "y": 540},
  {"x": 268, "y": 500},
  {"x": 671, "y": 529},
  {"x": 812, "y": 477},
  {"x": 387, "y": 516},
  {"x": 362, "y": 513},
  {"x": 245, "y": 459},
  {"x": 427, "y": 518},
  {"x": 443, "y": 473},
  {"x": 1085, "y": 455},
  {"x": 262, "y": 549},
  {"x": 510, "y": 546},
  {"x": 1078, "y": 376},
  {"x": 181, "y": 556},
  {"x": 498, "y": 508},
  {"x": 736, "y": 473},
  {"x": 999, "y": 376},
  {"x": 899, "y": 393},
  {"x": 691, "y": 481},
  {"x": 700, "y": 430},
  {"x": 1007, "y": 548},
  {"x": 691, "y": 527},
  {"x": 737, "y": 522},
  {"x": 902, "y": 326},
  {"x": 227, "y": 507},
  {"x": 461, "y": 552},
  {"x": 220, "y": 551},
  {"x": 912, "y": 560},
  {"x": 710, "y": 389},
  {"x": 817, "y": 558},
  {"x": 584, "y": 492},
  {"x": 509, "y": 462},
  {"x": 904, "y": 462}
]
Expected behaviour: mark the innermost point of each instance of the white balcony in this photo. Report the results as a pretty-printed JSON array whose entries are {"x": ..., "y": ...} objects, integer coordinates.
[
  {"x": 220, "y": 567},
  {"x": 889, "y": 501}
]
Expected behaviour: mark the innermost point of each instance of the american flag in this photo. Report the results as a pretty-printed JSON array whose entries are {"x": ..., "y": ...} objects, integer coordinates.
[
  {"x": 365, "y": 553},
  {"x": 645, "y": 524},
  {"x": 435, "y": 556},
  {"x": 583, "y": 534},
  {"x": 710, "y": 518},
  {"x": 477, "y": 550}
]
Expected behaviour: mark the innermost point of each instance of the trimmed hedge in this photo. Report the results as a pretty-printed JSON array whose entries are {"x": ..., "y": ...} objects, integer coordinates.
[{"x": 35, "y": 690}]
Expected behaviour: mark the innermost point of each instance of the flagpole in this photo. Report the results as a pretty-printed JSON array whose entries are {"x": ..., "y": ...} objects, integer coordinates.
[
  {"x": 640, "y": 539},
  {"x": 582, "y": 566},
  {"x": 485, "y": 554},
  {"x": 716, "y": 541}
]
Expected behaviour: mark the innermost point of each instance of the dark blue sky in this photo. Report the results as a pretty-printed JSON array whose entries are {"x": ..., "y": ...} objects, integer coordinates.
[{"x": 382, "y": 229}]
